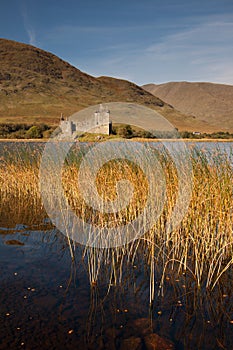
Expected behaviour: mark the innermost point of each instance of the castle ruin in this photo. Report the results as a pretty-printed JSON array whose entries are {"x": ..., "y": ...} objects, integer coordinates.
[{"x": 99, "y": 123}]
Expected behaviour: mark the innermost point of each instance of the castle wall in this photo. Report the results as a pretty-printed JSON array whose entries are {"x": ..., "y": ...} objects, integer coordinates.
[
  {"x": 102, "y": 129},
  {"x": 98, "y": 124}
]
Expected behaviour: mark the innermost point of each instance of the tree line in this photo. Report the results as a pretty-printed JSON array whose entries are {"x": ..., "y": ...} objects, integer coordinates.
[{"x": 39, "y": 131}]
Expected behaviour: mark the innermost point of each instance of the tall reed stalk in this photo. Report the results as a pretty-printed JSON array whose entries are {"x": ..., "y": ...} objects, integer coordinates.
[{"x": 201, "y": 247}]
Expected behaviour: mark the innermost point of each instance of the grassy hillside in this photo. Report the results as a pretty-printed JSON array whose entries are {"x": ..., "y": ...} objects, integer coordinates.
[
  {"x": 209, "y": 102},
  {"x": 37, "y": 86}
]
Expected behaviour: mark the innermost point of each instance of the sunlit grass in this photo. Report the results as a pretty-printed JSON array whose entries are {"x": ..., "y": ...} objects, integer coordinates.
[{"x": 201, "y": 247}]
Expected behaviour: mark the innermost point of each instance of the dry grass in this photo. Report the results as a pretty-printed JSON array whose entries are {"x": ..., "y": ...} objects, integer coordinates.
[
  {"x": 201, "y": 100},
  {"x": 201, "y": 247},
  {"x": 37, "y": 85}
]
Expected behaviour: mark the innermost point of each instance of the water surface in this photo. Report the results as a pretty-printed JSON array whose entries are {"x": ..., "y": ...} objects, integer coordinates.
[{"x": 46, "y": 301}]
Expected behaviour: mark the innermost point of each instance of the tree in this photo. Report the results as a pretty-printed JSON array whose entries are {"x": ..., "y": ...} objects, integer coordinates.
[
  {"x": 34, "y": 133},
  {"x": 125, "y": 131}
]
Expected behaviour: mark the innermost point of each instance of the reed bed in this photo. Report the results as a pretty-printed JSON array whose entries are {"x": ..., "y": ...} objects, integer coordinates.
[{"x": 201, "y": 247}]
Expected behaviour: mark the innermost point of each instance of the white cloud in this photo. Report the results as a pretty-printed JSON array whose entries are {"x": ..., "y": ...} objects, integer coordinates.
[
  {"x": 202, "y": 53},
  {"x": 198, "y": 49},
  {"x": 32, "y": 36},
  {"x": 28, "y": 27}
]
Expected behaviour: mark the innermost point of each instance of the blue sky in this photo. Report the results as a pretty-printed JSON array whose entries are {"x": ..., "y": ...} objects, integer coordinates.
[{"x": 142, "y": 41}]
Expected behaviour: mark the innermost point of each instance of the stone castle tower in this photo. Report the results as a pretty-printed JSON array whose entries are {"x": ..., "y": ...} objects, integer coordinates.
[
  {"x": 97, "y": 124},
  {"x": 102, "y": 121},
  {"x": 67, "y": 126}
]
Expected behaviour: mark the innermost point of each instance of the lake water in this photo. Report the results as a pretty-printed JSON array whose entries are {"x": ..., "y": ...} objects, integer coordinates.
[{"x": 46, "y": 301}]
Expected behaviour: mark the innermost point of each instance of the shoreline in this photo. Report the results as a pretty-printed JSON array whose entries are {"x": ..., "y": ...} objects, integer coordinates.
[{"x": 134, "y": 139}]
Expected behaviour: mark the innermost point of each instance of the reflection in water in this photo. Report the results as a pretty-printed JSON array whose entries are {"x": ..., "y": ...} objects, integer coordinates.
[
  {"x": 43, "y": 293},
  {"x": 46, "y": 301}
]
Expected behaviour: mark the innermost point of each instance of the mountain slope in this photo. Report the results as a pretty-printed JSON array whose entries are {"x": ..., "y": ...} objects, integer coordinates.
[
  {"x": 207, "y": 101},
  {"x": 37, "y": 86}
]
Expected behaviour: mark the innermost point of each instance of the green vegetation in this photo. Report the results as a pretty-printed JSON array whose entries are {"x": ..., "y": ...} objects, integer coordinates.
[
  {"x": 214, "y": 135},
  {"x": 25, "y": 131},
  {"x": 124, "y": 131},
  {"x": 128, "y": 132},
  {"x": 39, "y": 131}
]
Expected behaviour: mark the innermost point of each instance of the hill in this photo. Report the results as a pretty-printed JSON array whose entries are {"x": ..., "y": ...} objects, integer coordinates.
[
  {"x": 37, "y": 86},
  {"x": 209, "y": 102}
]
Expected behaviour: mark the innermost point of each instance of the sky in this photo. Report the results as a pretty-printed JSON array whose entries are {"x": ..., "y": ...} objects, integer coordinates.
[{"x": 147, "y": 41}]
